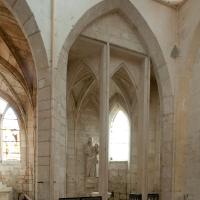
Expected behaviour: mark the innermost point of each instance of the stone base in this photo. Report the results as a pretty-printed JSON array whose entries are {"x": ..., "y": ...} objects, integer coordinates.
[
  {"x": 91, "y": 184},
  {"x": 94, "y": 194}
]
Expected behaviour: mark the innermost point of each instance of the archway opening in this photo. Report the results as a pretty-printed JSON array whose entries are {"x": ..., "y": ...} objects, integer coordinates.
[
  {"x": 119, "y": 137},
  {"x": 18, "y": 89},
  {"x": 127, "y": 61}
]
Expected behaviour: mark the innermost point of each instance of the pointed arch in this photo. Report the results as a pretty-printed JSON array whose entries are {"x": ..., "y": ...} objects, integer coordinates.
[
  {"x": 119, "y": 100},
  {"x": 129, "y": 77},
  {"x": 16, "y": 107},
  {"x": 166, "y": 93},
  {"x": 117, "y": 136},
  {"x": 40, "y": 89},
  {"x": 12, "y": 91},
  {"x": 81, "y": 69},
  {"x": 128, "y": 10},
  {"x": 33, "y": 39},
  {"x": 82, "y": 73}
]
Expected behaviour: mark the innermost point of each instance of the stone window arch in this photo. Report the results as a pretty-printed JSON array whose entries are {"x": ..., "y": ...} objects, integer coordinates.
[
  {"x": 10, "y": 132},
  {"x": 119, "y": 135}
]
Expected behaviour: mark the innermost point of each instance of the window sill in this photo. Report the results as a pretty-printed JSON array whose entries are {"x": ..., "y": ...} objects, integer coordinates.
[
  {"x": 10, "y": 162},
  {"x": 115, "y": 161}
]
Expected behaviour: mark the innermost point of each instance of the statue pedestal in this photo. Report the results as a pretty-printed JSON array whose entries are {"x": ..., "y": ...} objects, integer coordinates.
[
  {"x": 91, "y": 184},
  {"x": 94, "y": 194}
]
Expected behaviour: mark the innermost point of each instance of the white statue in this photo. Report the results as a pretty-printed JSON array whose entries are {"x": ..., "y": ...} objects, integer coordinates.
[{"x": 91, "y": 152}]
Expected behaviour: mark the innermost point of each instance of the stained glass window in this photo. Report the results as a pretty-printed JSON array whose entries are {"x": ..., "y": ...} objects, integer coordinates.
[
  {"x": 119, "y": 137},
  {"x": 10, "y": 132}
]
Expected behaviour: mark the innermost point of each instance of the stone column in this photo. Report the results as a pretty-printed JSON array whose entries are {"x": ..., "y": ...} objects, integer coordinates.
[
  {"x": 104, "y": 120},
  {"x": 58, "y": 116},
  {"x": 144, "y": 127},
  {"x": 59, "y": 128}
]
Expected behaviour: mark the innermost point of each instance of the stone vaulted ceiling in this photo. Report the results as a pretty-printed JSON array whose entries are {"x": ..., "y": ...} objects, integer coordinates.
[{"x": 17, "y": 74}]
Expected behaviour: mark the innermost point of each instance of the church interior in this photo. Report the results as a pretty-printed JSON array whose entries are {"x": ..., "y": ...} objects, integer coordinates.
[{"x": 99, "y": 99}]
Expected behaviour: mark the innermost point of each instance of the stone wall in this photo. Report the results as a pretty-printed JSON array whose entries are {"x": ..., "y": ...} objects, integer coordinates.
[
  {"x": 20, "y": 174},
  {"x": 87, "y": 125},
  {"x": 49, "y": 171},
  {"x": 191, "y": 165},
  {"x": 165, "y": 32},
  {"x": 118, "y": 180},
  {"x": 154, "y": 141},
  {"x": 16, "y": 177},
  {"x": 187, "y": 104}
]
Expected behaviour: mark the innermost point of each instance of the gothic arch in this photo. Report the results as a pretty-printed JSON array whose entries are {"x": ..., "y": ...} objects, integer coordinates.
[
  {"x": 117, "y": 100},
  {"x": 125, "y": 68},
  {"x": 15, "y": 107},
  {"x": 127, "y": 9},
  {"x": 41, "y": 84},
  {"x": 32, "y": 35},
  {"x": 128, "y": 78}
]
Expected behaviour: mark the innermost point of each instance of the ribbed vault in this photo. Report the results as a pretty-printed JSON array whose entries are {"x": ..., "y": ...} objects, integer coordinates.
[{"x": 16, "y": 63}]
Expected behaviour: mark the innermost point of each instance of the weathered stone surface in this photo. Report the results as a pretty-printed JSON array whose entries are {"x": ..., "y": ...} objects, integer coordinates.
[{"x": 50, "y": 64}]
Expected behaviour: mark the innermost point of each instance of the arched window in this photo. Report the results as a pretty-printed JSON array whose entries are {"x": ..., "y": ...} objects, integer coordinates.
[
  {"x": 119, "y": 137},
  {"x": 10, "y": 137}
]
